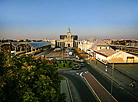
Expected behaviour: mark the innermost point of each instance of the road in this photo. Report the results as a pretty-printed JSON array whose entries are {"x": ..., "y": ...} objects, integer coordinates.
[
  {"x": 119, "y": 93},
  {"x": 80, "y": 86}
]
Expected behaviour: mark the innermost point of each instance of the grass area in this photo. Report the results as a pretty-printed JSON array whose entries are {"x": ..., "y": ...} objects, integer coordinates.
[
  {"x": 62, "y": 77},
  {"x": 64, "y": 64}
]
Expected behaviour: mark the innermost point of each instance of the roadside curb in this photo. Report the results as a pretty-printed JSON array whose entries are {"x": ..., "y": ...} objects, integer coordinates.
[
  {"x": 69, "y": 90},
  {"x": 98, "y": 99},
  {"x": 101, "y": 86}
]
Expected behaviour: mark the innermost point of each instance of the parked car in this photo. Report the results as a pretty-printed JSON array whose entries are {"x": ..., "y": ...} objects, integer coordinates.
[
  {"x": 75, "y": 67},
  {"x": 57, "y": 49},
  {"x": 81, "y": 60},
  {"x": 81, "y": 64},
  {"x": 49, "y": 58}
]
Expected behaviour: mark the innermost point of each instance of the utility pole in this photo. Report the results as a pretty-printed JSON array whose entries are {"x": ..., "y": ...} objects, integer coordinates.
[
  {"x": 15, "y": 50},
  {"x": 26, "y": 48},
  {"x": 10, "y": 48},
  {"x": 112, "y": 78},
  {"x": 62, "y": 53}
]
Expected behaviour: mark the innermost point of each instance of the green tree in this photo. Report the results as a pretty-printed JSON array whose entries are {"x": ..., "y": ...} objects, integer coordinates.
[{"x": 27, "y": 79}]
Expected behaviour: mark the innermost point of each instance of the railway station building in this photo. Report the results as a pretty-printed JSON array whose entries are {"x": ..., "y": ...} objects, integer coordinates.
[{"x": 68, "y": 40}]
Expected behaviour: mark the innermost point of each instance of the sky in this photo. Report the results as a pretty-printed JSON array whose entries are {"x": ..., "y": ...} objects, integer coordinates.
[{"x": 40, "y": 19}]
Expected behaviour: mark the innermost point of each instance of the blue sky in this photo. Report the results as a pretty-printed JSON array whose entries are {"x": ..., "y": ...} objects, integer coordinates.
[{"x": 39, "y": 19}]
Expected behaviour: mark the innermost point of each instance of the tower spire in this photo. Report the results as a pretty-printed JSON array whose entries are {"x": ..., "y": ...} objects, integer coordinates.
[
  {"x": 68, "y": 29},
  {"x": 68, "y": 33}
]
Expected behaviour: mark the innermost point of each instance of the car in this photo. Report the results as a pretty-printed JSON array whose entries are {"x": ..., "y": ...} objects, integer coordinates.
[
  {"x": 57, "y": 49},
  {"x": 49, "y": 58},
  {"x": 81, "y": 60},
  {"x": 82, "y": 64},
  {"x": 75, "y": 67},
  {"x": 68, "y": 58},
  {"x": 67, "y": 50},
  {"x": 73, "y": 59}
]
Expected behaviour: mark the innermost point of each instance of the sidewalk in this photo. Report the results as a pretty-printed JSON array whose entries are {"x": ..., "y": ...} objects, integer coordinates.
[
  {"x": 64, "y": 89},
  {"x": 119, "y": 78}
]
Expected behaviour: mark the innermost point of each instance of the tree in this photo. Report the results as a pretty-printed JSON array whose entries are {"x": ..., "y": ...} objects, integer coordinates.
[{"x": 28, "y": 79}]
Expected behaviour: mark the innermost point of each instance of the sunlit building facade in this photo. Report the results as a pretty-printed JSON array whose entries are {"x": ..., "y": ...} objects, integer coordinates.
[{"x": 68, "y": 40}]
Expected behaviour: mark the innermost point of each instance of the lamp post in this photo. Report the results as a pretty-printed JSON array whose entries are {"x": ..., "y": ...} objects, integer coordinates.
[
  {"x": 106, "y": 66},
  {"x": 26, "y": 48},
  {"x": 15, "y": 50},
  {"x": 112, "y": 78},
  {"x": 10, "y": 49},
  {"x": 62, "y": 52}
]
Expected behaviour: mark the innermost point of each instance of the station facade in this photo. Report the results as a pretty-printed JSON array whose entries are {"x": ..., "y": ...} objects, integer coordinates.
[{"x": 67, "y": 40}]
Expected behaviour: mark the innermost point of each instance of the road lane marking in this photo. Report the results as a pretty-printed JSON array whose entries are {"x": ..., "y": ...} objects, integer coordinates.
[
  {"x": 69, "y": 90},
  {"x": 104, "y": 88},
  {"x": 114, "y": 82},
  {"x": 93, "y": 90},
  {"x": 86, "y": 72},
  {"x": 81, "y": 74}
]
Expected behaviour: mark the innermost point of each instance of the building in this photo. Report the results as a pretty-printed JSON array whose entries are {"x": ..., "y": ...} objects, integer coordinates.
[
  {"x": 45, "y": 40},
  {"x": 85, "y": 45},
  {"x": 93, "y": 45},
  {"x": 108, "y": 41},
  {"x": 122, "y": 57},
  {"x": 68, "y": 40}
]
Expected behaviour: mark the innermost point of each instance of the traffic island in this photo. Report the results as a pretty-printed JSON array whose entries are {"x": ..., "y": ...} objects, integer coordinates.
[
  {"x": 64, "y": 64},
  {"x": 100, "y": 92}
]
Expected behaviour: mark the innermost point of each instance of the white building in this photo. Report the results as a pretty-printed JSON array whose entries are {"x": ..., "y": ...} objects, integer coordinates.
[{"x": 122, "y": 57}]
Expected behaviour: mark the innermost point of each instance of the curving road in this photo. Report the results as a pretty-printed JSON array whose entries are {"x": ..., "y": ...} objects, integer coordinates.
[{"x": 83, "y": 92}]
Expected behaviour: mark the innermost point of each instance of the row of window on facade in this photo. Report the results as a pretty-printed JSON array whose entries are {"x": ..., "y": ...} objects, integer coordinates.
[
  {"x": 104, "y": 47},
  {"x": 62, "y": 44}
]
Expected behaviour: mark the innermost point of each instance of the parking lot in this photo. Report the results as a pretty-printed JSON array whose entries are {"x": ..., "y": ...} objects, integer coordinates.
[{"x": 57, "y": 54}]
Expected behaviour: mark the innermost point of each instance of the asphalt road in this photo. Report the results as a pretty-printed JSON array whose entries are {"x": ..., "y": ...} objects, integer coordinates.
[
  {"x": 82, "y": 89},
  {"x": 84, "y": 92},
  {"x": 119, "y": 93}
]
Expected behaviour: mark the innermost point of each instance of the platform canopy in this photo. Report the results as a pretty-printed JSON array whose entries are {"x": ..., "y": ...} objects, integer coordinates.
[{"x": 32, "y": 44}]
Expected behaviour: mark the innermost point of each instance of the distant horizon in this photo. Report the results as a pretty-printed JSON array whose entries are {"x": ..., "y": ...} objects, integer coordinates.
[
  {"x": 78, "y": 39},
  {"x": 33, "y": 19}
]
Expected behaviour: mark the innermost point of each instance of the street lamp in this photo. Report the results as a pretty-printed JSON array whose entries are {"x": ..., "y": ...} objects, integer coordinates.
[
  {"x": 106, "y": 66},
  {"x": 62, "y": 52},
  {"x": 15, "y": 50},
  {"x": 26, "y": 48},
  {"x": 112, "y": 78}
]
